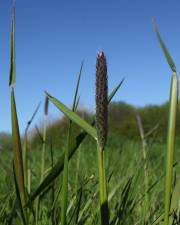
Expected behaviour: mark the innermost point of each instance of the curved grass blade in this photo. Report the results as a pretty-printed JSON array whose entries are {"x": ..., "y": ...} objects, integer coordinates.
[
  {"x": 76, "y": 99},
  {"x": 65, "y": 180},
  {"x": 165, "y": 50},
  {"x": 12, "y": 77},
  {"x": 18, "y": 162},
  {"x": 171, "y": 145},
  {"x": 58, "y": 168},
  {"x": 19, "y": 197},
  {"x": 17, "y": 148},
  {"x": 73, "y": 116},
  {"x": 171, "y": 128}
]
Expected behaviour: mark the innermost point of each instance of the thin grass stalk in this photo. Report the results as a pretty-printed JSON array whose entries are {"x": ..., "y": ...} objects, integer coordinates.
[
  {"x": 44, "y": 139},
  {"x": 25, "y": 145},
  {"x": 25, "y": 170},
  {"x": 43, "y": 154},
  {"x": 29, "y": 181},
  {"x": 170, "y": 145},
  {"x": 64, "y": 200},
  {"x": 102, "y": 130},
  {"x": 77, "y": 170},
  {"x": 144, "y": 149},
  {"x": 53, "y": 185},
  {"x": 25, "y": 161},
  {"x": 104, "y": 210},
  {"x": 78, "y": 165}
]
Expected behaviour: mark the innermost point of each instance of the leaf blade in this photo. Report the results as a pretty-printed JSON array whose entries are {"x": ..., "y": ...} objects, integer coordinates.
[
  {"x": 110, "y": 97},
  {"x": 17, "y": 148},
  {"x": 12, "y": 76},
  {"x": 75, "y": 101},
  {"x": 58, "y": 168},
  {"x": 164, "y": 48},
  {"x": 73, "y": 116}
]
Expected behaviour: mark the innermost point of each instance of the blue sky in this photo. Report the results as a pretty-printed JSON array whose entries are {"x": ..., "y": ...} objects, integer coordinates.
[{"x": 54, "y": 36}]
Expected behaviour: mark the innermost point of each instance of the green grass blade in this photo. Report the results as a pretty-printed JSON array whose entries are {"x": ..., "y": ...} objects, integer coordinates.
[
  {"x": 44, "y": 139},
  {"x": 12, "y": 78},
  {"x": 18, "y": 162},
  {"x": 171, "y": 144},
  {"x": 19, "y": 197},
  {"x": 64, "y": 201},
  {"x": 32, "y": 117},
  {"x": 171, "y": 128},
  {"x": 77, "y": 88},
  {"x": 175, "y": 202},
  {"x": 53, "y": 185},
  {"x": 39, "y": 133},
  {"x": 25, "y": 146},
  {"x": 58, "y": 168},
  {"x": 46, "y": 103},
  {"x": 77, "y": 103},
  {"x": 165, "y": 50},
  {"x": 110, "y": 97},
  {"x": 74, "y": 117}
]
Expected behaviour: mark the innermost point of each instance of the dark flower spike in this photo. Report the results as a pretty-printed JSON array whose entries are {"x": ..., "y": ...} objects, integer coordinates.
[{"x": 101, "y": 100}]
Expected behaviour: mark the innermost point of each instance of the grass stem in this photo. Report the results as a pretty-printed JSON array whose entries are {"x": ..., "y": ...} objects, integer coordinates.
[
  {"x": 104, "y": 209},
  {"x": 170, "y": 145}
]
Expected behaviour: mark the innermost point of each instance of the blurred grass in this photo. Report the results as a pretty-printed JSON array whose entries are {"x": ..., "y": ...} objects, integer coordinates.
[
  {"x": 124, "y": 165},
  {"x": 124, "y": 160}
]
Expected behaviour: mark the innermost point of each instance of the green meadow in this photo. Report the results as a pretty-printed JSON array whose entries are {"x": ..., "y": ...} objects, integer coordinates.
[{"x": 117, "y": 166}]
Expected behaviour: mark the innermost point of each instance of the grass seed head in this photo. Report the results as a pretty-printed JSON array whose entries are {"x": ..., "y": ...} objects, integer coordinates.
[{"x": 101, "y": 100}]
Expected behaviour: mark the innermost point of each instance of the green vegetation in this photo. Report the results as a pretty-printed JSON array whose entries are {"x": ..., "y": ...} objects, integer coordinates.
[{"x": 82, "y": 169}]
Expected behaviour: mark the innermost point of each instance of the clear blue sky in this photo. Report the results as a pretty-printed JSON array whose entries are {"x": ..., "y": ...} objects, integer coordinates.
[{"x": 54, "y": 36}]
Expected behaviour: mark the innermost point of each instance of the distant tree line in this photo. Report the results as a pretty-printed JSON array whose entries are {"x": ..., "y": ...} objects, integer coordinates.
[{"x": 122, "y": 124}]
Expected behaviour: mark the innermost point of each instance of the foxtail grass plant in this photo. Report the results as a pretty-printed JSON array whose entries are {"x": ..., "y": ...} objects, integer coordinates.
[
  {"x": 87, "y": 130},
  {"x": 81, "y": 209},
  {"x": 102, "y": 131},
  {"x": 171, "y": 134},
  {"x": 17, "y": 147}
]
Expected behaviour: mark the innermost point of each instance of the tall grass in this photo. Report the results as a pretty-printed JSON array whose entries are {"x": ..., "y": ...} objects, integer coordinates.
[
  {"x": 66, "y": 155},
  {"x": 115, "y": 196},
  {"x": 18, "y": 159},
  {"x": 173, "y": 105},
  {"x": 102, "y": 132}
]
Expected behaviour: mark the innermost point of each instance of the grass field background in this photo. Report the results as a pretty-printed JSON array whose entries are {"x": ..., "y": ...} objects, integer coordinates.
[{"x": 117, "y": 166}]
